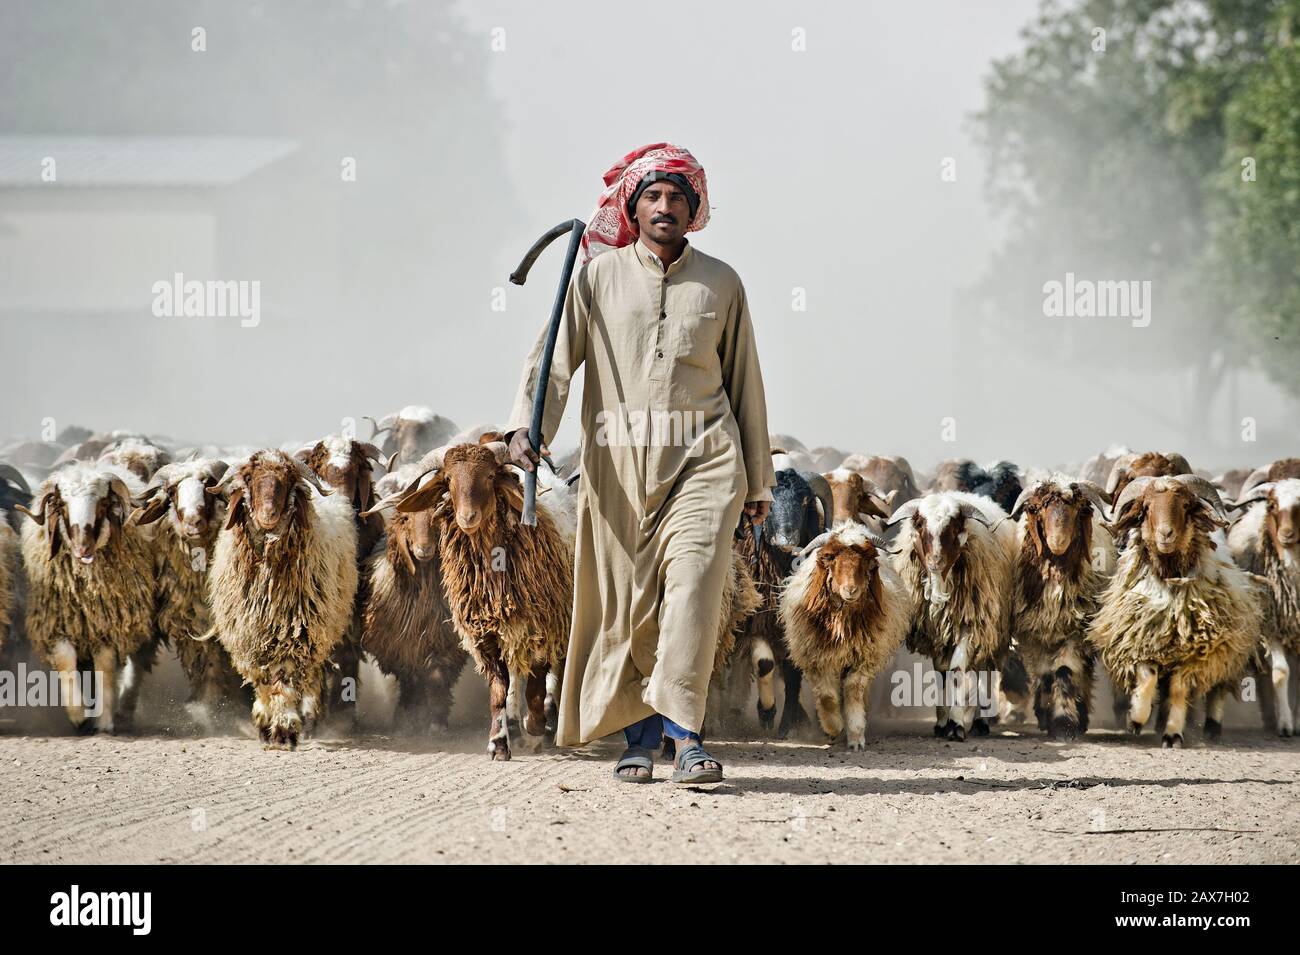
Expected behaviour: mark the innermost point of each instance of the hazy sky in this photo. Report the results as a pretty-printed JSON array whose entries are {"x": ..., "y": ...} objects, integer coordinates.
[{"x": 824, "y": 167}]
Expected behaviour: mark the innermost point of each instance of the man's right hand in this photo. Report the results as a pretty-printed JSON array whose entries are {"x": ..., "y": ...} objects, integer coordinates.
[{"x": 522, "y": 454}]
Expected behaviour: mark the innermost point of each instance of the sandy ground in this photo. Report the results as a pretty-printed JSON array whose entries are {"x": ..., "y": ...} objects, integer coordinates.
[{"x": 1005, "y": 798}]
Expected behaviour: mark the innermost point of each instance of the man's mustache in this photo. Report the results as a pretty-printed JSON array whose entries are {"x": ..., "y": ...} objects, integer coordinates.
[{"x": 663, "y": 218}]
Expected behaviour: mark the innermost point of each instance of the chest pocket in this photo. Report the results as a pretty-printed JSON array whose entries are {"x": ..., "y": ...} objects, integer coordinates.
[{"x": 692, "y": 338}]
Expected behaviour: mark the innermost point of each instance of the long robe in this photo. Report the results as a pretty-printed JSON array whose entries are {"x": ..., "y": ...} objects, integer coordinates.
[{"x": 674, "y": 444}]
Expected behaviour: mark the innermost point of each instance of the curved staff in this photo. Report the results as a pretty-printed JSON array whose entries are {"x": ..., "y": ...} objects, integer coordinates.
[{"x": 519, "y": 276}]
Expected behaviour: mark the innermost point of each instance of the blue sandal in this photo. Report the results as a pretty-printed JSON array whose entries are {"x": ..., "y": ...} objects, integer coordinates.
[
  {"x": 690, "y": 759},
  {"x": 635, "y": 757}
]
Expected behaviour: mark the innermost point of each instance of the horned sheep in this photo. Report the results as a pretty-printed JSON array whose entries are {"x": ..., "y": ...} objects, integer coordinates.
[
  {"x": 1065, "y": 556},
  {"x": 846, "y": 614},
  {"x": 955, "y": 553},
  {"x": 510, "y": 588},
  {"x": 1175, "y": 607},
  {"x": 90, "y": 581},
  {"x": 282, "y": 585}
]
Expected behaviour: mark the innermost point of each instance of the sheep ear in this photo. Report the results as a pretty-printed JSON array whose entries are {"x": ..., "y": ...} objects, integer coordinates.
[
  {"x": 236, "y": 506},
  {"x": 404, "y": 546},
  {"x": 364, "y": 488},
  {"x": 421, "y": 499},
  {"x": 56, "y": 539},
  {"x": 153, "y": 509},
  {"x": 42, "y": 508}
]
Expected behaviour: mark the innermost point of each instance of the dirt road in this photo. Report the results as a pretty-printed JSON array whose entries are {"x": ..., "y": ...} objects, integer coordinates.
[{"x": 909, "y": 798}]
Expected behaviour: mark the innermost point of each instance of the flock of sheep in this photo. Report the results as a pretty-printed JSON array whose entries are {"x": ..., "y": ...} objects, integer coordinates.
[{"x": 272, "y": 573}]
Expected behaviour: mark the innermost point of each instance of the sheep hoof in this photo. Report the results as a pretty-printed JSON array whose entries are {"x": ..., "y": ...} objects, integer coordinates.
[
  {"x": 766, "y": 718},
  {"x": 1172, "y": 742},
  {"x": 498, "y": 753},
  {"x": 1134, "y": 729},
  {"x": 1284, "y": 732},
  {"x": 940, "y": 729},
  {"x": 1063, "y": 728},
  {"x": 86, "y": 727},
  {"x": 980, "y": 727},
  {"x": 857, "y": 745},
  {"x": 1213, "y": 729},
  {"x": 955, "y": 731}
]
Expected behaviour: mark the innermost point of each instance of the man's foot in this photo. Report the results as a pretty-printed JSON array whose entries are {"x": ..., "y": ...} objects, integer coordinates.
[
  {"x": 636, "y": 765},
  {"x": 694, "y": 765}
]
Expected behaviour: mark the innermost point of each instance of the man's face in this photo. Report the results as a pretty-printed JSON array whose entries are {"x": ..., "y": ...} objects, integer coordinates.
[{"x": 662, "y": 212}]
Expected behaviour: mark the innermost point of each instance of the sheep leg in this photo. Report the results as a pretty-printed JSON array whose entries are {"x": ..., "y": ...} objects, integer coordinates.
[
  {"x": 1177, "y": 718},
  {"x": 1043, "y": 701},
  {"x": 105, "y": 665},
  {"x": 1069, "y": 710},
  {"x": 1293, "y": 661},
  {"x": 137, "y": 664},
  {"x": 857, "y": 686},
  {"x": 1215, "y": 702},
  {"x": 283, "y": 719},
  {"x": 64, "y": 660},
  {"x": 941, "y": 710},
  {"x": 961, "y": 714},
  {"x": 535, "y": 689},
  {"x": 1281, "y": 679},
  {"x": 764, "y": 662},
  {"x": 826, "y": 698},
  {"x": 514, "y": 702},
  {"x": 439, "y": 695},
  {"x": 792, "y": 711},
  {"x": 414, "y": 692},
  {"x": 498, "y": 677},
  {"x": 551, "y": 705},
  {"x": 1144, "y": 691}
]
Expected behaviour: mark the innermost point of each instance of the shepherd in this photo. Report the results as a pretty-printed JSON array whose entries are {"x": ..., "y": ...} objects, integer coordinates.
[{"x": 663, "y": 330}]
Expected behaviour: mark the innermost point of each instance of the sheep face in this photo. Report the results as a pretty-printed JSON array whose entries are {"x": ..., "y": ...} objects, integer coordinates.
[
  {"x": 850, "y": 570},
  {"x": 186, "y": 493},
  {"x": 344, "y": 464},
  {"x": 474, "y": 474},
  {"x": 1169, "y": 517},
  {"x": 86, "y": 504},
  {"x": 1282, "y": 517},
  {"x": 415, "y": 536},
  {"x": 1057, "y": 518},
  {"x": 852, "y": 495},
  {"x": 939, "y": 548},
  {"x": 792, "y": 520},
  {"x": 265, "y": 487}
]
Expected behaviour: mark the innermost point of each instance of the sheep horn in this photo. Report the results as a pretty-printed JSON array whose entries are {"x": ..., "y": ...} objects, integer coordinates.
[
  {"x": 392, "y": 459},
  {"x": 500, "y": 449},
  {"x": 1095, "y": 494},
  {"x": 1203, "y": 489},
  {"x": 306, "y": 450},
  {"x": 310, "y": 476},
  {"x": 10, "y": 473},
  {"x": 1131, "y": 492},
  {"x": 970, "y": 510},
  {"x": 813, "y": 544},
  {"x": 904, "y": 512},
  {"x": 217, "y": 469},
  {"x": 822, "y": 488},
  {"x": 1025, "y": 495},
  {"x": 1257, "y": 477},
  {"x": 1258, "y": 493},
  {"x": 370, "y": 451},
  {"x": 433, "y": 460},
  {"x": 1117, "y": 472},
  {"x": 1178, "y": 461},
  {"x": 42, "y": 508}
]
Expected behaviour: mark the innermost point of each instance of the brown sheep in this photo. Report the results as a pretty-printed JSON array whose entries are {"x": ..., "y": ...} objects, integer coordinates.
[
  {"x": 182, "y": 553},
  {"x": 90, "y": 581},
  {"x": 344, "y": 464},
  {"x": 510, "y": 588},
  {"x": 856, "y": 498},
  {"x": 282, "y": 584},
  {"x": 1064, "y": 556},
  {"x": 845, "y": 614},
  {"x": 1174, "y": 607},
  {"x": 1151, "y": 464},
  {"x": 407, "y": 625},
  {"x": 1265, "y": 541}
]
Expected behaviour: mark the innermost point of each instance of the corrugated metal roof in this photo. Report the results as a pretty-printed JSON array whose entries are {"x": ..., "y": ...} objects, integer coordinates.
[{"x": 136, "y": 161}]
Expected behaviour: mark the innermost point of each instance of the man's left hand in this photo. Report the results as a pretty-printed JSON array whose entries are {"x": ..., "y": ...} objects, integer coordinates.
[{"x": 757, "y": 511}]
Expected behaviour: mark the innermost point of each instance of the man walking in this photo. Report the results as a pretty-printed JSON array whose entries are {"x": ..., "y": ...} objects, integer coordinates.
[{"x": 674, "y": 446}]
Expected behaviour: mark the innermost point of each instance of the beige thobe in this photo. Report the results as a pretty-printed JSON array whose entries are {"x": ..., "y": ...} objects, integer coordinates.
[{"x": 674, "y": 443}]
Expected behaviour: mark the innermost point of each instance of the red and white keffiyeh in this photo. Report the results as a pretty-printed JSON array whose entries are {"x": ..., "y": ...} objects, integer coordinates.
[{"x": 609, "y": 226}]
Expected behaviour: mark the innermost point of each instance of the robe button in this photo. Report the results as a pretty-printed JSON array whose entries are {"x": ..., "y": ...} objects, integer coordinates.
[
  {"x": 659, "y": 354},
  {"x": 662, "y": 316}
]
